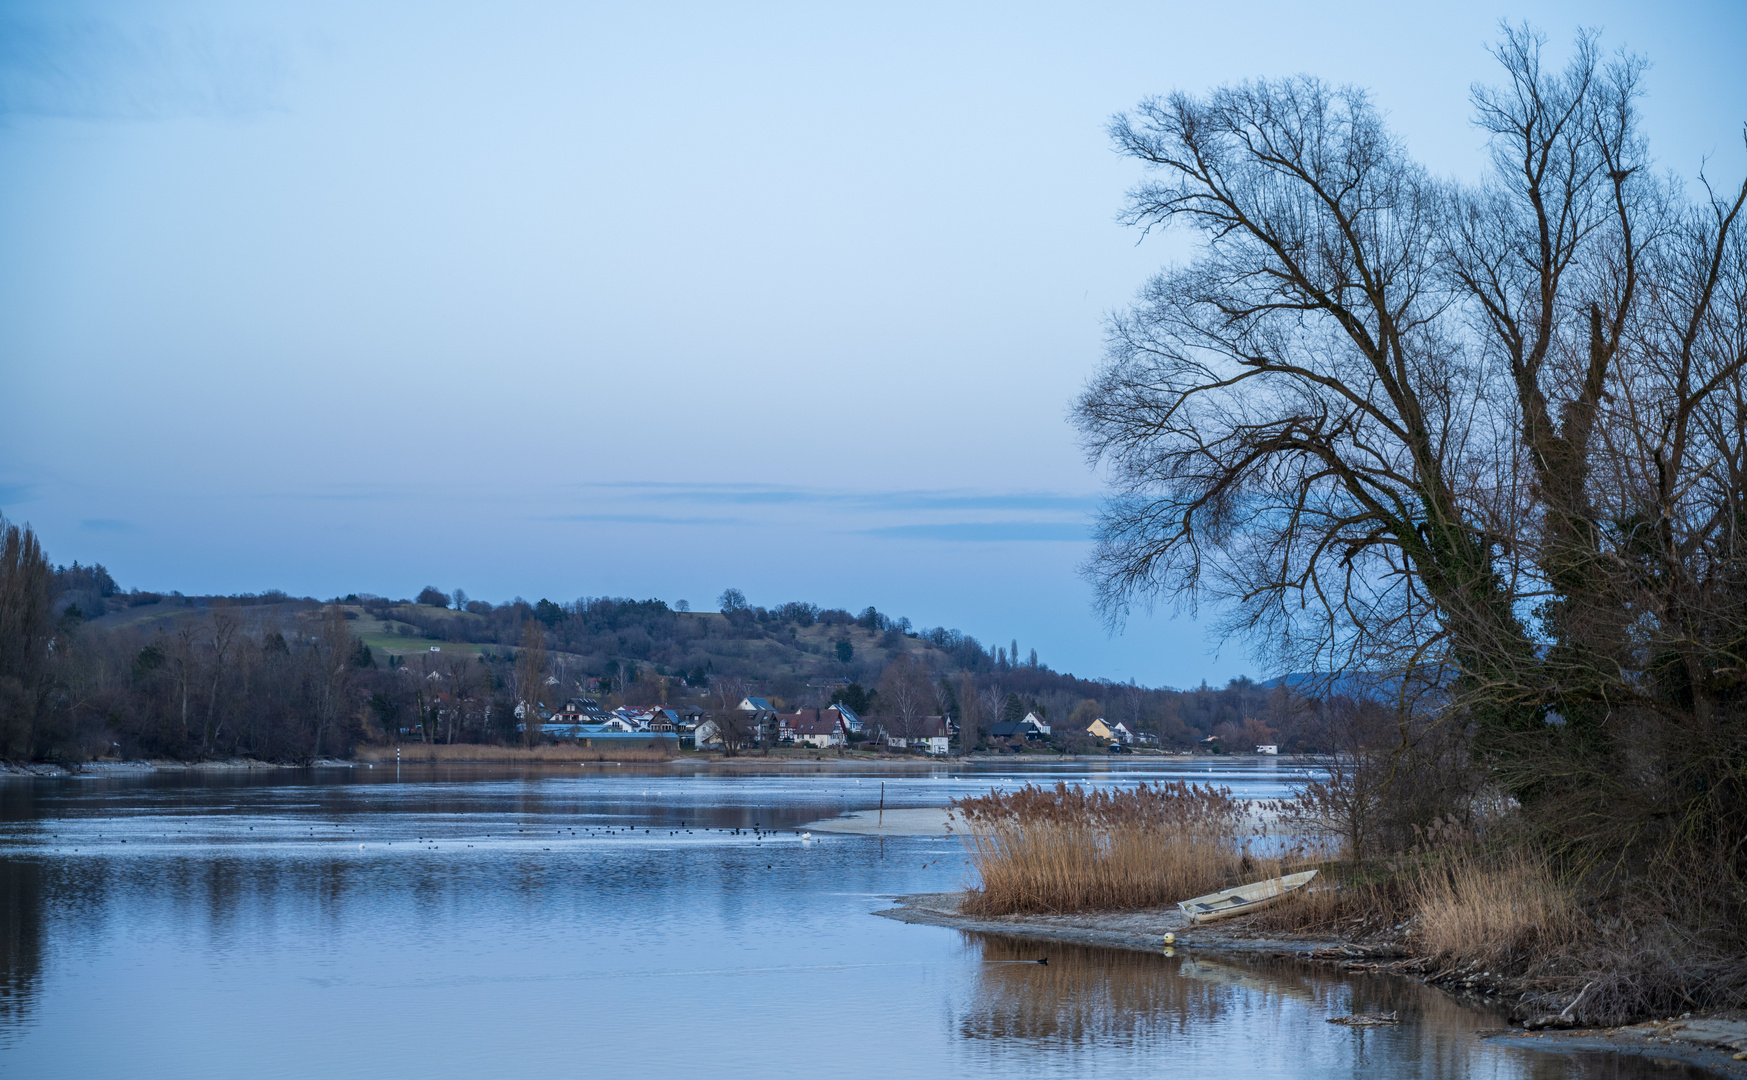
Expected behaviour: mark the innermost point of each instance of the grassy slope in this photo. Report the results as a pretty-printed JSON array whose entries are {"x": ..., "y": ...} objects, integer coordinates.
[{"x": 809, "y": 654}]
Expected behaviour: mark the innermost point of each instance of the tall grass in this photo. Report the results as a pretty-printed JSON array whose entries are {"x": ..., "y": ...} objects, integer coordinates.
[
  {"x": 1049, "y": 850},
  {"x": 1477, "y": 908}
]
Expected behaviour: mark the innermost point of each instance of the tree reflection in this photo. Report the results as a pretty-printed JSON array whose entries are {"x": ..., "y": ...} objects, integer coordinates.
[
  {"x": 20, "y": 944},
  {"x": 1200, "y": 1011}
]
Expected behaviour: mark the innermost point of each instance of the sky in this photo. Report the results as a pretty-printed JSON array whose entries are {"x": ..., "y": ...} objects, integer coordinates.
[{"x": 563, "y": 300}]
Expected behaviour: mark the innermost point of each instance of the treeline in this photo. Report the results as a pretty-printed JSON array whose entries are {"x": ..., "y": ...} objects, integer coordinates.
[{"x": 87, "y": 669}]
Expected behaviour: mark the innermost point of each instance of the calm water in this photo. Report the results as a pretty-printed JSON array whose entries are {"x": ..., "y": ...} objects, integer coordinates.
[{"x": 610, "y": 922}]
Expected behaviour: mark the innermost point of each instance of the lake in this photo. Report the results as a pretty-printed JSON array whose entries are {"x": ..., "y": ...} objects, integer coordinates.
[{"x": 617, "y": 921}]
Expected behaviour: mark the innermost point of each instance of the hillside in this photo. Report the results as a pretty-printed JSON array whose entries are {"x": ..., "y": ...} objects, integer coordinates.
[{"x": 286, "y": 677}]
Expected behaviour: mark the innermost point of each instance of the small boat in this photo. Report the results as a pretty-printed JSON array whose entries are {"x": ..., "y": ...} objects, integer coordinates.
[{"x": 1243, "y": 899}]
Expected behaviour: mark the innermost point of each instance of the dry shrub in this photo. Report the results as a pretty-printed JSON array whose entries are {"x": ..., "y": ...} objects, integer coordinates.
[
  {"x": 462, "y": 753},
  {"x": 1499, "y": 910},
  {"x": 1041, "y": 850},
  {"x": 1352, "y": 909}
]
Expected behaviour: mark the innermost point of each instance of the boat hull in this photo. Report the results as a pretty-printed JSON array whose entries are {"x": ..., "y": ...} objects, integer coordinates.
[{"x": 1244, "y": 899}]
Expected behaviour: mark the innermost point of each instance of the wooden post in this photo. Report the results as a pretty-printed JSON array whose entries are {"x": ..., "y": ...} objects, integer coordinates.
[{"x": 882, "y": 821}]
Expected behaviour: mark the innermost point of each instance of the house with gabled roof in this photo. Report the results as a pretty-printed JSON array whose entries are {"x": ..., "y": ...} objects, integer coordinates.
[
  {"x": 930, "y": 734},
  {"x": 1026, "y": 729},
  {"x": 822, "y": 728},
  {"x": 851, "y": 722}
]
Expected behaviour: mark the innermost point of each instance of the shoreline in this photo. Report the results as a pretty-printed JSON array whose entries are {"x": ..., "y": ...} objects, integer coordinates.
[
  {"x": 471, "y": 754},
  {"x": 1717, "y": 1043},
  {"x": 142, "y": 766}
]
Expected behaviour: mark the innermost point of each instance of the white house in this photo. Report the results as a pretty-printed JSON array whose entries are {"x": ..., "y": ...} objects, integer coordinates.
[
  {"x": 926, "y": 733},
  {"x": 851, "y": 722},
  {"x": 1037, "y": 722},
  {"x": 822, "y": 728}
]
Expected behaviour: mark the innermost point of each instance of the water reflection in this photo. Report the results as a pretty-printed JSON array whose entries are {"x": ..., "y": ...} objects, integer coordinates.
[
  {"x": 494, "y": 922},
  {"x": 1222, "y": 1015},
  {"x": 20, "y": 944}
]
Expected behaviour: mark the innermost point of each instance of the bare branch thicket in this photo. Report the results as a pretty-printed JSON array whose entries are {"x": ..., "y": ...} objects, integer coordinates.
[
  {"x": 1484, "y": 441},
  {"x": 531, "y": 678},
  {"x": 906, "y": 694},
  {"x": 734, "y": 724}
]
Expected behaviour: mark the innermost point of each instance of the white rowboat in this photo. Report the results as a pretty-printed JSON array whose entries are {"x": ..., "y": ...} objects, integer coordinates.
[{"x": 1243, "y": 899}]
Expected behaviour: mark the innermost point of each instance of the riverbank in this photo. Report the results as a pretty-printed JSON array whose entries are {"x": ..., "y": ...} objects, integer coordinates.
[
  {"x": 1714, "y": 1041},
  {"x": 476, "y": 754},
  {"x": 130, "y": 768},
  {"x": 557, "y": 754}
]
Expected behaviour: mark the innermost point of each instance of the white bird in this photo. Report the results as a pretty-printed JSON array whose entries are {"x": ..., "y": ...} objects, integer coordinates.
[{"x": 806, "y": 836}]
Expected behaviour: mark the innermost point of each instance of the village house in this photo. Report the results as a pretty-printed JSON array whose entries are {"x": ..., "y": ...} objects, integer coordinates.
[
  {"x": 1098, "y": 729},
  {"x": 851, "y": 722},
  {"x": 580, "y": 710},
  {"x": 929, "y": 734},
  {"x": 822, "y": 728},
  {"x": 1026, "y": 729}
]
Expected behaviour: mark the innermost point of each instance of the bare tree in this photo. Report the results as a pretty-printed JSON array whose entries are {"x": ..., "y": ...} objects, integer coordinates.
[
  {"x": 463, "y": 670},
  {"x": 906, "y": 694},
  {"x": 1491, "y": 438},
  {"x": 992, "y": 701},
  {"x": 222, "y": 631},
  {"x": 333, "y": 649},
  {"x": 733, "y": 724},
  {"x": 182, "y": 663},
  {"x": 531, "y": 678},
  {"x": 26, "y": 633},
  {"x": 971, "y": 725}
]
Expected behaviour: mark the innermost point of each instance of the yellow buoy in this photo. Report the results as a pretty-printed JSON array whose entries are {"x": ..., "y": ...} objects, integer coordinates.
[{"x": 1170, "y": 939}]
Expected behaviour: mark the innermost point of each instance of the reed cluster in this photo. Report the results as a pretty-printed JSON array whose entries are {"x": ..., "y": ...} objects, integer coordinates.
[
  {"x": 1049, "y": 850},
  {"x": 1475, "y": 907}
]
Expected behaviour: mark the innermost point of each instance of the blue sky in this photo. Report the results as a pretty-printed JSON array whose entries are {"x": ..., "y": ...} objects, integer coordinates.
[{"x": 654, "y": 299}]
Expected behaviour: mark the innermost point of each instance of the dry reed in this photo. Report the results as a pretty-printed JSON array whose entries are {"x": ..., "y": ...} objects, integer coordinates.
[
  {"x": 464, "y": 753},
  {"x": 1350, "y": 909},
  {"x": 1041, "y": 850},
  {"x": 1476, "y": 908}
]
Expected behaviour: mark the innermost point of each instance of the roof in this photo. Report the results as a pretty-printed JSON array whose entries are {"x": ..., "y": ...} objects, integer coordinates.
[
  {"x": 758, "y": 704},
  {"x": 1008, "y": 728},
  {"x": 812, "y": 722},
  {"x": 918, "y": 727}
]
